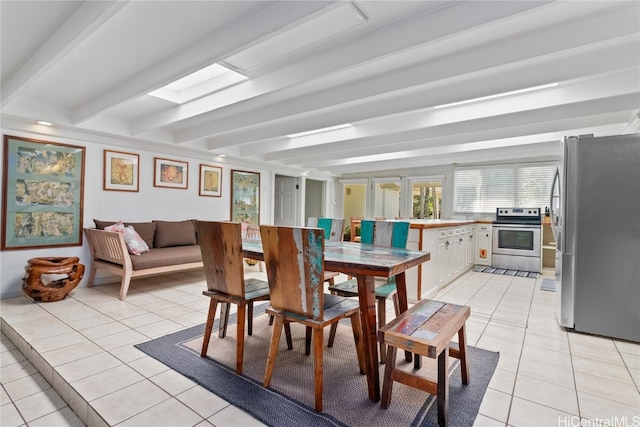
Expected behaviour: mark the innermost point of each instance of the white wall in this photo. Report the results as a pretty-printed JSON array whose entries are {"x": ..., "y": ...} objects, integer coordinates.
[{"x": 147, "y": 204}]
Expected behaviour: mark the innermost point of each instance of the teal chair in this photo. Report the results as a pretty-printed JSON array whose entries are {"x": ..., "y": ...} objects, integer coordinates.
[
  {"x": 380, "y": 233},
  {"x": 333, "y": 230}
]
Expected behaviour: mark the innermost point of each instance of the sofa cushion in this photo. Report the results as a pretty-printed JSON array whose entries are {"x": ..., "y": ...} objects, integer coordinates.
[
  {"x": 146, "y": 230},
  {"x": 134, "y": 242},
  {"x": 174, "y": 233},
  {"x": 167, "y": 256}
]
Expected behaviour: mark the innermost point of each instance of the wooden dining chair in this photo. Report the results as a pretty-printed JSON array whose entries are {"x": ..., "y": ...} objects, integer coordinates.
[
  {"x": 221, "y": 247},
  {"x": 334, "y": 231},
  {"x": 380, "y": 233},
  {"x": 252, "y": 232},
  {"x": 295, "y": 261},
  {"x": 355, "y": 223}
]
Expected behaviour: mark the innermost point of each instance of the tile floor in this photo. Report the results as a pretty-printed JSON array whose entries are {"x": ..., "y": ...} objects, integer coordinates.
[{"x": 72, "y": 363}]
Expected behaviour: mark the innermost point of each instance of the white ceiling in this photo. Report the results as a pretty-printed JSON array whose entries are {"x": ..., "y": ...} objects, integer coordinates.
[{"x": 380, "y": 65}]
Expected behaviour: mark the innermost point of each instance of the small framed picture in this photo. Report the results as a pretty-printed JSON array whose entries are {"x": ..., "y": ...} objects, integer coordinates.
[
  {"x": 121, "y": 171},
  {"x": 210, "y": 181},
  {"x": 170, "y": 173}
]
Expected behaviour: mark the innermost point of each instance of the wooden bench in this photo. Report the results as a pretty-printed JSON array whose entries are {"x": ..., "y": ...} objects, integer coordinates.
[{"x": 426, "y": 329}]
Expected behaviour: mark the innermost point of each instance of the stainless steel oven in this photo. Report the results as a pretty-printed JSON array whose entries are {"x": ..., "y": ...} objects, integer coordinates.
[{"x": 516, "y": 239}]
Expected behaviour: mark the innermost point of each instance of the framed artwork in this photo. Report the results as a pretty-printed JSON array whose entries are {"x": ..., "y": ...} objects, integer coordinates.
[
  {"x": 43, "y": 188},
  {"x": 245, "y": 197},
  {"x": 210, "y": 181},
  {"x": 170, "y": 173},
  {"x": 121, "y": 171}
]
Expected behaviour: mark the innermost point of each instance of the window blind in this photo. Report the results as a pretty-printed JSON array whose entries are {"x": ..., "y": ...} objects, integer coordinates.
[{"x": 483, "y": 189}]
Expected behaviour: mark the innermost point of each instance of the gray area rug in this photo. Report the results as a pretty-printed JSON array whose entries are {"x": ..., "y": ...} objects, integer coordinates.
[
  {"x": 506, "y": 272},
  {"x": 548, "y": 285},
  {"x": 290, "y": 399}
]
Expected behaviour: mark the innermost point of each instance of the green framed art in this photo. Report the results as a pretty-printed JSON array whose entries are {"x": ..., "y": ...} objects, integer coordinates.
[
  {"x": 43, "y": 189},
  {"x": 245, "y": 197}
]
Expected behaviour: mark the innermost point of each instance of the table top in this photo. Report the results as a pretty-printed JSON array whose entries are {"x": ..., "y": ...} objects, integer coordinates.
[{"x": 356, "y": 258}]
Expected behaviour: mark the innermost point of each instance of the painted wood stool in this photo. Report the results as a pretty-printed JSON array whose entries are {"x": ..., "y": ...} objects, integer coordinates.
[{"x": 426, "y": 329}]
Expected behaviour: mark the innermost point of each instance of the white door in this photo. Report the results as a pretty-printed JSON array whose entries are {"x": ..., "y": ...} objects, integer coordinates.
[{"x": 286, "y": 196}]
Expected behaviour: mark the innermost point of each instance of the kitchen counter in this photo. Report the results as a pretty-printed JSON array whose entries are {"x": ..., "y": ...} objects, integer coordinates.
[{"x": 438, "y": 223}]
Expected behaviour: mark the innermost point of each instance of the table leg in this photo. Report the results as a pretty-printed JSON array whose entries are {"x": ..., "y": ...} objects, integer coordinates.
[{"x": 367, "y": 299}]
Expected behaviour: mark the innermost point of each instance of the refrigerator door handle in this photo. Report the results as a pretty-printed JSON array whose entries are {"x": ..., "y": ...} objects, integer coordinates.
[{"x": 554, "y": 204}]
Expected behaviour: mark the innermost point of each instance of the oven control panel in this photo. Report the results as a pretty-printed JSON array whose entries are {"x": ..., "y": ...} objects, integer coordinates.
[
  {"x": 522, "y": 212},
  {"x": 518, "y": 216}
]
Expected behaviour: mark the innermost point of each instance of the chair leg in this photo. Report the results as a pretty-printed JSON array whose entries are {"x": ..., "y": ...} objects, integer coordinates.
[
  {"x": 307, "y": 341},
  {"x": 240, "y": 337},
  {"x": 273, "y": 350},
  {"x": 396, "y": 304},
  {"x": 250, "y": 318},
  {"x": 382, "y": 320},
  {"x": 318, "y": 344},
  {"x": 356, "y": 326},
  {"x": 332, "y": 334},
  {"x": 224, "y": 319},
  {"x": 287, "y": 334},
  {"x": 213, "y": 305}
]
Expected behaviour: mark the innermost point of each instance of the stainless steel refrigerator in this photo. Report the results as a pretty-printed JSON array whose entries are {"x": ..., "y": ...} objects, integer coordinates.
[{"x": 595, "y": 216}]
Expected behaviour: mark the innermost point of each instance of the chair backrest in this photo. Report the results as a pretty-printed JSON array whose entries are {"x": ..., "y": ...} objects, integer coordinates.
[
  {"x": 294, "y": 257},
  {"x": 221, "y": 248},
  {"x": 333, "y": 227},
  {"x": 385, "y": 233},
  {"x": 251, "y": 232},
  {"x": 355, "y": 223}
]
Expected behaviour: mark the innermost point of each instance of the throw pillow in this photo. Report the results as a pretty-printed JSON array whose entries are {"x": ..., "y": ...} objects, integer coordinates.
[
  {"x": 146, "y": 230},
  {"x": 135, "y": 244},
  {"x": 174, "y": 233}
]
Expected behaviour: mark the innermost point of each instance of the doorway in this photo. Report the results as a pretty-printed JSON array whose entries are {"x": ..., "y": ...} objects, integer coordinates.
[
  {"x": 314, "y": 198},
  {"x": 286, "y": 201}
]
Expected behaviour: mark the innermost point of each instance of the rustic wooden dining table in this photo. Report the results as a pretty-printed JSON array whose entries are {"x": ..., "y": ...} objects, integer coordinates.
[{"x": 365, "y": 262}]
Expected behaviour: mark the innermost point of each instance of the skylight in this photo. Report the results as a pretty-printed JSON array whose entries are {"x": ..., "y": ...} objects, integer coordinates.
[
  {"x": 202, "y": 82},
  {"x": 321, "y": 130},
  {"x": 497, "y": 95}
]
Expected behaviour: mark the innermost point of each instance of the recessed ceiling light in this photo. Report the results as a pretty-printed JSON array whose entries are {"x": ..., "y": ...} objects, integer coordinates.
[
  {"x": 321, "y": 130},
  {"x": 43, "y": 123},
  {"x": 222, "y": 155},
  {"x": 497, "y": 95}
]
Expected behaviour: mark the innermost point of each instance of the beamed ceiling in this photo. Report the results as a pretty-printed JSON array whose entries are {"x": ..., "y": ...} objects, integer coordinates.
[{"x": 381, "y": 66}]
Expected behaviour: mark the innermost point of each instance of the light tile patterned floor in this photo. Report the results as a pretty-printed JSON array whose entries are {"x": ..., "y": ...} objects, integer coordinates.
[{"x": 72, "y": 363}]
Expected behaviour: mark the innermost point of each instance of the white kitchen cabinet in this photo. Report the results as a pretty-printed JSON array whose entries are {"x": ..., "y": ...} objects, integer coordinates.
[
  {"x": 451, "y": 250},
  {"x": 483, "y": 245}
]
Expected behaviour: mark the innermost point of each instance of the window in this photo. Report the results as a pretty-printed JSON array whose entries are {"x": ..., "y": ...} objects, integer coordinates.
[
  {"x": 483, "y": 189},
  {"x": 386, "y": 197},
  {"x": 426, "y": 198}
]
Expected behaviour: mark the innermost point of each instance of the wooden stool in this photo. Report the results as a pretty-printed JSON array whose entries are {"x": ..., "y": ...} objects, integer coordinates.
[{"x": 426, "y": 329}]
